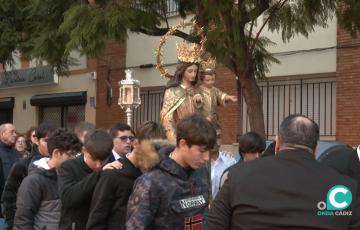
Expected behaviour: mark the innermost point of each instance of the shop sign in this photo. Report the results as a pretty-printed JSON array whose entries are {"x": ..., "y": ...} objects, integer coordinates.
[{"x": 40, "y": 75}]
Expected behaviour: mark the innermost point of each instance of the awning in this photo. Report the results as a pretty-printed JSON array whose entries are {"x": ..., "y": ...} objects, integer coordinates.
[
  {"x": 59, "y": 99},
  {"x": 6, "y": 103}
]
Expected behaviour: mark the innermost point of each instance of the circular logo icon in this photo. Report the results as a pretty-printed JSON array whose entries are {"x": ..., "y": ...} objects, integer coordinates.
[
  {"x": 339, "y": 197},
  {"x": 321, "y": 205}
]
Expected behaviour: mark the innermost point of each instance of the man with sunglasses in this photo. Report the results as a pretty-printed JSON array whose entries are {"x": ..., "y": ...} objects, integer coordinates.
[
  {"x": 38, "y": 204},
  {"x": 122, "y": 136}
]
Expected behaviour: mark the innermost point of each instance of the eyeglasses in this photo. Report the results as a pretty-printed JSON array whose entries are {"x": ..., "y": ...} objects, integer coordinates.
[{"x": 125, "y": 138}]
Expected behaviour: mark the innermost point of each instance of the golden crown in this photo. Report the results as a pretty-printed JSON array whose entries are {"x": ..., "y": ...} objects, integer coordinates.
[
  {"x": 208, "y": 64},
  {"x": 185, "y": 53},
  {"x": 189, "y": 52}
]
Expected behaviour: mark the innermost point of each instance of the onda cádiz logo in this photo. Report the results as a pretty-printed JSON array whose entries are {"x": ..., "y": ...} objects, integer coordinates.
[{"x": 338, "y": 198}]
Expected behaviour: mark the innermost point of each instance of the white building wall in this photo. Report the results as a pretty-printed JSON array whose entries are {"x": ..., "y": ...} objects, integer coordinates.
[{"x": 301, "y": 56}]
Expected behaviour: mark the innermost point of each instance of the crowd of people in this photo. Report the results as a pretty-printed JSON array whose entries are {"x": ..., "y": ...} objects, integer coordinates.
[
  {"x": 120, "y": 179},
  {"x": 172, "y": 175}
]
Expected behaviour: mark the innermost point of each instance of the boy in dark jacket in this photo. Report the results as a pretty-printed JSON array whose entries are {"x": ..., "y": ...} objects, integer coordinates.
[
  {"x": 176, "y": 193},
  {"x": 38, "y": 204},
  {"x": 20, "y": 170},
  {"x": 108, "y": 206},
  {"x": 78, "y": 178}
]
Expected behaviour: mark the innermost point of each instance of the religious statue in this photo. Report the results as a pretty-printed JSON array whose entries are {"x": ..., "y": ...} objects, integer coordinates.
[
  {"x": 181, "y": 97},
  {"x": 212, "y": 96}
]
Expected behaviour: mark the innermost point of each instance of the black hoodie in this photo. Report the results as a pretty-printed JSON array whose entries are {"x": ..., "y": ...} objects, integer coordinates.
[{"x": 110, "y": 198}]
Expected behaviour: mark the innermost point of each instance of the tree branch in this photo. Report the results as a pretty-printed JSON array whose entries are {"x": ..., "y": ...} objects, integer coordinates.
[
  {"x": 251, "y": 29},
  {"x": 163, "y": 31},
  {"x": 278, "y": 6},
  {"x": 164, "y": 11}
]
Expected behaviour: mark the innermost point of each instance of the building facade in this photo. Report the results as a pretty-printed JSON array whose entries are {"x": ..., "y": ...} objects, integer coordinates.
[
  {"x": 317, "y": 77},
  {"x": 32, "y": 93}
]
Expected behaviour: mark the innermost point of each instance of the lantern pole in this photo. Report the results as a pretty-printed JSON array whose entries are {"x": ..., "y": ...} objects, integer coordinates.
[{"x": 129, "y": 115}]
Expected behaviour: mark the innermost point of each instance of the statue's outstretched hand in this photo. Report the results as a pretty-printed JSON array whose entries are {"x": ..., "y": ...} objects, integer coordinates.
[{"x": 231, "y": 98}]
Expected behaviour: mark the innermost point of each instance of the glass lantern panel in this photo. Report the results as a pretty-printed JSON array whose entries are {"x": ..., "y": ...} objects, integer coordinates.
[
  {"x": 136, "y": 95},
  {"x": 128, "y": 94}
]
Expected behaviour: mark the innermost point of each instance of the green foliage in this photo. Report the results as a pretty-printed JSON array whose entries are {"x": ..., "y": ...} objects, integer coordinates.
[
  {"x": 50, "y": 29},
  {"x": 262, "y": 58},
  {"x": 10, "y": 25},
  {"x": 291, "y": 18},
  {"x": 349, "y": 16}
]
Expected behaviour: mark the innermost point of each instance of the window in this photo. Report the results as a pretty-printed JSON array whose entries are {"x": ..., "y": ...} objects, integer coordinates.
[
  {"x": 61, "y": 109},
  {"x": 6, "y": 109},
  {"x": 62, "y": 116},
  {"x": 151, "y": 103},
  {"x": 172, "y": 8},
  {"x": 312, "y": 97},
  {"x": 6, "y": 116}
]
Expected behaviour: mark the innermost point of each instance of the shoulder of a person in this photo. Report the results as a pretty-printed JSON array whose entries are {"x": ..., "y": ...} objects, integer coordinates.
[
  {"x": 256, "y": 167},
  {"x": 33, "y": 179},
  {"x": 110, "y": 174},
  {"x": 110, "y": 178},
  {"x": 72, "y": 164},
  {"x": 330, "y": 172},
  {"x": 21, "y": 164},
  {"x": 150, "y": 177}
]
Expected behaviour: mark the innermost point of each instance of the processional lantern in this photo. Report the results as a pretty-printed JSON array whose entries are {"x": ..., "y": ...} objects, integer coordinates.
[{"x": 129, "y": 97}]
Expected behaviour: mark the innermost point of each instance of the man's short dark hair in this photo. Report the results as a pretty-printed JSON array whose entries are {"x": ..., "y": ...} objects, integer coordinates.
[
  {"x": 64, "y": 140},
  {"x": 299, "y": 130},
  {"x": 44, "y": 130},
  {"x": 99, "y": 144},
  {"x": 251, "y": 142},
  {"x": 119, "y": 127},
  {"x": 196, "y": 130},
  {"x": 150, "y": 130}
]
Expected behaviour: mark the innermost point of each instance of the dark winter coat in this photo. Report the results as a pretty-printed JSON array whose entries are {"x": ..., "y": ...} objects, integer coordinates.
[
  {"x": 168, "y": 197},
  {"x": 281, "y": 192},
  {"x": 76, "y": 185},
  {"x": 111, "y": 195},
  {"x": 345, "y": 161},
  {"x": 17, "y": 173},
  {"x": 38, "y": 204},
  {"x": 8, "y": 156}
]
